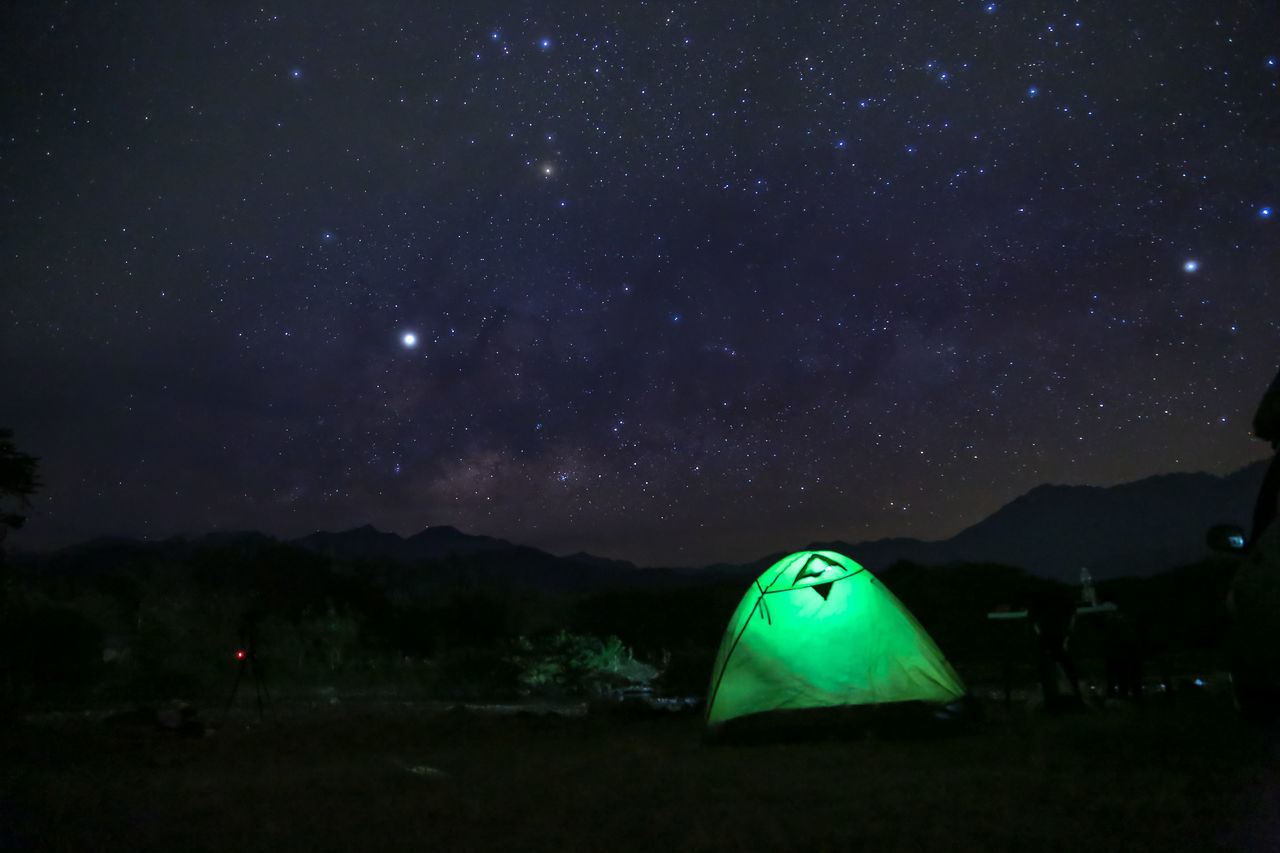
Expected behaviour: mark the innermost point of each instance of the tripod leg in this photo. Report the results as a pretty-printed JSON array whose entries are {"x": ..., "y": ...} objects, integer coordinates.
[{"x": 235, "y": 685}]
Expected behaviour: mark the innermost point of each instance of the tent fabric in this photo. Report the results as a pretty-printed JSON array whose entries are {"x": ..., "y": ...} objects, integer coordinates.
[{"x": 817, "y": 630}]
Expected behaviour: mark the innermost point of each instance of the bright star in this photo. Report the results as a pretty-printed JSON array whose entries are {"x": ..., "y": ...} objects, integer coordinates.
[
  {"x": 1265, "y": 213},
  {"x": 1191, "y": 266},
  {"x": 410, "y": 340}
]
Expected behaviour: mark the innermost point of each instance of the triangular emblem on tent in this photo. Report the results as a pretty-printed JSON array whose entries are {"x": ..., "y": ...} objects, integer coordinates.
[{"x": 816, "y": 567}]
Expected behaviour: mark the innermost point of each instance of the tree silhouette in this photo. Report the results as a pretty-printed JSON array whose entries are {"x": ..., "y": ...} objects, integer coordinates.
[{"x": 17, "y": 483}]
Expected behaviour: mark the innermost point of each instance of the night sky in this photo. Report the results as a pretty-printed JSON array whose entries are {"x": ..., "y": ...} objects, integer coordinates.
[{"x": 675, "y": 283}]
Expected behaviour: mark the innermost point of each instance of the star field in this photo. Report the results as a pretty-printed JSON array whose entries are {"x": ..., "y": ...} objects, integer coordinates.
[{"x": 672, "y": 283}]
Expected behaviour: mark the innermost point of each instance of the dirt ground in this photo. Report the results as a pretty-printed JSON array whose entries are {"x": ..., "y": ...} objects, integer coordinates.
[{"x": 1183, "y": 775}]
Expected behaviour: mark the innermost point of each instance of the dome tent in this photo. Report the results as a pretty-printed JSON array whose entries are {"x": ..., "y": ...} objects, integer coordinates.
[{"x": 817, "y": 630}]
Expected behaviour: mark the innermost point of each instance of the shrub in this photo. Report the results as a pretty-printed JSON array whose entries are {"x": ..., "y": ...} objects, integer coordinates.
[
  {"x": 53, "y": 650},
  {"x": 562, "y": 663},
  {"x": 473, "y": 673}
]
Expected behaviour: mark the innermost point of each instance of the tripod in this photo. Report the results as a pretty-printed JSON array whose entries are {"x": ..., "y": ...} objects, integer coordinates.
[{"x": 248, "y": 659}]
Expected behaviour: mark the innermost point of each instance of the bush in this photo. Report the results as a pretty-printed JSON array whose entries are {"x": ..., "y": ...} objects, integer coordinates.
[
  {"x": 562, "y": 663},
  {"x": 317, "y": 645},
  {"x": 179, "y": 650},
  {"x": 54, "y": 651},
  {"x": 473, "y": 673}
]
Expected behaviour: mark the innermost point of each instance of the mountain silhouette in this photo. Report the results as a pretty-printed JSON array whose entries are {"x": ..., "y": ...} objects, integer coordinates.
[
  {"x": 367, "y": 543},
  {"x": 1133, "y": 529}
]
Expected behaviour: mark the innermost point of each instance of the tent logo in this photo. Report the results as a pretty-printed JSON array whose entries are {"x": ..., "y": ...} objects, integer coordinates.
[{"x": 820, "y": 573}]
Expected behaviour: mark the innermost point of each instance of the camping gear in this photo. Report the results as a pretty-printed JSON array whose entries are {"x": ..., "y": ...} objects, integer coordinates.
[
  {"x": 1252, "y": 646},
  {"x": 817, "y": 630}
]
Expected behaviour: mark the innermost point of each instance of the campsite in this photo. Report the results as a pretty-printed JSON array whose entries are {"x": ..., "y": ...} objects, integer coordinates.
[
  {"x": 612, "y": 425},
  {"x": 327, "y": 728},
  {"x": 360, "y": 690}
]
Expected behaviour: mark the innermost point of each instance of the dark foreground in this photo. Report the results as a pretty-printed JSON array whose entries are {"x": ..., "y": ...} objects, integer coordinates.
[{"x": 1183, "y": 775}]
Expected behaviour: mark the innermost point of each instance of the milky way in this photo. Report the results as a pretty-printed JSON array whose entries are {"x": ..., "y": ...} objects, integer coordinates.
[{"x": 675, "y": 283}]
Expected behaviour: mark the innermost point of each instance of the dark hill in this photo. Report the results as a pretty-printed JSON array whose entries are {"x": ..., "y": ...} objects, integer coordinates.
[
  {"x": 1134, "y": 529},
  {"x": 369, "y": 543}
]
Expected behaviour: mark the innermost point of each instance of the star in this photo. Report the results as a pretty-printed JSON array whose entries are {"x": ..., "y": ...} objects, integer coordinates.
[{"x": 772, "y": 279}]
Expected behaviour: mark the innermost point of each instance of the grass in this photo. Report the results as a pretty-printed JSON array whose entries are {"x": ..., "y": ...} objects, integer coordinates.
[{"x": 1175, "y": 776}]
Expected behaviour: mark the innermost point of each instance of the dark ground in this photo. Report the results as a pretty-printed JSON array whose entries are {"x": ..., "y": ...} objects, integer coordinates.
[{"x": 1172, "y": 776}]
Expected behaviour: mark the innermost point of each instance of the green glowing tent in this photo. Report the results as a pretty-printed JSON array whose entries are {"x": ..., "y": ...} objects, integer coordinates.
[{"x": 817, "y": 630}]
